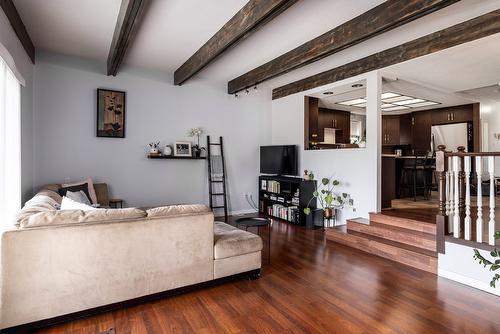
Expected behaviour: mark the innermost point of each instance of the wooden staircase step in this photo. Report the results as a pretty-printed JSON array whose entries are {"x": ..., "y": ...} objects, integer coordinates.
[
  {"x": 405, "y": 254},
  {"x": 394, "y": 233},
  {"x": 410, "y": 224}
]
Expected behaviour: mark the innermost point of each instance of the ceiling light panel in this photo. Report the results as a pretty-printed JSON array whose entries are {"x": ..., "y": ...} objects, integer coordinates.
[
  {"x": 396, "y": 108},
  {"x": 412, "y": 101},
  {"x": 398, "y": 98},
  {"x": 353, "y": 102},
  {"x": 422, "y": 104},
  {"x": 361, "y": 105},
  {"x": 389, "y": 95}
]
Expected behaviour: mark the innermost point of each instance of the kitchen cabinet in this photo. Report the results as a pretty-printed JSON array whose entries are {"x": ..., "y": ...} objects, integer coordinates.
[
  {"x": 457, "y": 114},
  {"x": 390, "y": 130},
  {"x": 336, "y": 119},
  {"x": 421, "y": 123},
  {"x": 313, "y": 134}
]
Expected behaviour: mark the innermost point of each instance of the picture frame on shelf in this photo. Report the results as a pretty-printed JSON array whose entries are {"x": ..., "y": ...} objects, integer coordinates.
[{"x": 183, "y": 149}]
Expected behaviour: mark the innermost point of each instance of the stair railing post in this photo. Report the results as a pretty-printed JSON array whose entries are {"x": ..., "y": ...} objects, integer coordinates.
[
  {"x": 441, "y": 225},
  {"x": 461, "y": 189}
]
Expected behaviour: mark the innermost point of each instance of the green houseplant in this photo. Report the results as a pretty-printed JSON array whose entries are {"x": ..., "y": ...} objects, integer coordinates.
[
  {"x": 494, "y": 265},
  {"x": 329, "y": 199}
]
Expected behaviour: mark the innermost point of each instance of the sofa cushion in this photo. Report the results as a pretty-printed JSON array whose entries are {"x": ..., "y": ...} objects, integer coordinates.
[
  {"x": 230, "y": 241},
  {"x": 43, "y": 201},
  {"x": 90, "y": 186},
  {"x": 65, "y": 217},
  {"x": 177, "y": 210},
  {"x": 80, "y": 187},
  {"x": 70, "y": 204}
]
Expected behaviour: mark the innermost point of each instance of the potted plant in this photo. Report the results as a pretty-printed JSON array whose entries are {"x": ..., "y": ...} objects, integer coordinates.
[
  {"x": 154, "y": 148},
  {"x": 494, "y": 265},
  {"x": 196, "y": 132},
  {"x": 329, "y": 199}
]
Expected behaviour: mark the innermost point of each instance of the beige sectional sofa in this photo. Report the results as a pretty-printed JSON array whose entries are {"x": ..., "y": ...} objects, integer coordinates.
[{"x": 61, "y": 262}]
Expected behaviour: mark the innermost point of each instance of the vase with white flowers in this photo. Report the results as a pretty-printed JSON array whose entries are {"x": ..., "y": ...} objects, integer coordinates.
[{"x": 196, "y": 132}]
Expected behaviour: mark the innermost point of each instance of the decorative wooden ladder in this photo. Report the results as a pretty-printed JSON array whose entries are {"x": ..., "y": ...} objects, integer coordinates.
[{"x": 221, "y": 191}]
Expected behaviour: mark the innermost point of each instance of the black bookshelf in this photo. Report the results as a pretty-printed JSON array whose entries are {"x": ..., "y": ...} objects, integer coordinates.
[{"x": 284, "y": 198}]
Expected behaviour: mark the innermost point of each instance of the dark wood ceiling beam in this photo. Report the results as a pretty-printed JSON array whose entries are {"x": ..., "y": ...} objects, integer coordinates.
[
  {"x": 129, "y": 19},
  {"x": 19, "y": 28},
  {"x": 479, "y": 27},
  {"x": 255, "y": 14},
  {"x": 384, "y": 17}
]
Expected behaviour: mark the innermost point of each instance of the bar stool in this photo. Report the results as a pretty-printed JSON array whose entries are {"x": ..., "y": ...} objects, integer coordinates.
[{"x": 414, "y": 176}]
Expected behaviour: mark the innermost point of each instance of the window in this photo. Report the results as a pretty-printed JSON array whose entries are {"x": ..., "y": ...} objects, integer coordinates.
[{"x": 10, "y": 144}]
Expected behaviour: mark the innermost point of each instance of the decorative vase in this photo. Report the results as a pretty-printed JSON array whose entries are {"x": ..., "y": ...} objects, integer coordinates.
[
  {"x": 197, "y": 153},
  {"x": 328, "y": 213},
  {"x": 153, "y": 151},
  {"x": 167, "y": 150}
]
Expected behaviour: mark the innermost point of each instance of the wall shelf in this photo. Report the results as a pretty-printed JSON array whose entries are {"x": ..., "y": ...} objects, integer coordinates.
[{"x": 172, "y": 157}]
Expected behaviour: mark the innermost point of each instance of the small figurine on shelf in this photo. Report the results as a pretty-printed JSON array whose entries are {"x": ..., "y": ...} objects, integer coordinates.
[
  {"x": 308, "y": 175},
  {"x": 154, "y": 149},
  {"x": 196, "y": 132},
  {"x": 167, "y": 150}
]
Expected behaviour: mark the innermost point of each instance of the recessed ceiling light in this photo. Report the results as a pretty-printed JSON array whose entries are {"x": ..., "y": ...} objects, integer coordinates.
[
  {"x": 395, "y": 108},
  {"x": 398, "y": 98},
  {"x": 352, "y": 102},
  {"x": 389, "y": 95},
  {"x": 327, "y": 93},
  {"x": 412, "y": 101},
  {"x": 358, "y": 85},
  {"x": 422, "y": 104}
]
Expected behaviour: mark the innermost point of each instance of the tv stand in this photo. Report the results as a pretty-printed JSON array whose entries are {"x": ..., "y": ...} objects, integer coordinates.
[{"x": 286, "y": 197}]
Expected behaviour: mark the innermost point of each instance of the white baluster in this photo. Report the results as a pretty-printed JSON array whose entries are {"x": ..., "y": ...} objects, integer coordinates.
[
  {"x": 467, "y": 221},
  {"x": 491, "y": 223},
  {"x": 479, "y": 221},
  {"x": 456, "y": 216},
  {"x": 450, "y": 189}
]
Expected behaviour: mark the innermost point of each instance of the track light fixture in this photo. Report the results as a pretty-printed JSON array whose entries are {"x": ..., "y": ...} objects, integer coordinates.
[
  {"x": 247, "y": 91},
  {"x": 255, "y": 89}
]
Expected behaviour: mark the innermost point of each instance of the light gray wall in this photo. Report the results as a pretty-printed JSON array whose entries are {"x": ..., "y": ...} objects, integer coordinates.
[
  {"x": 67, "y": 147},
  {"x": 9, "y": 39}
]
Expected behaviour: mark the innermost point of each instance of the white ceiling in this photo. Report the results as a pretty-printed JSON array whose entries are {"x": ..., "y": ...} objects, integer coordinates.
[
  {"x": 71, "y": 27},
  {"x": 174, "y": 29}
]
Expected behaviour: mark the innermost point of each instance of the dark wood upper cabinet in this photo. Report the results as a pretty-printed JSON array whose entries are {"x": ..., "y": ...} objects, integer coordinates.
[
  {"x": 390, "y": 130},
  {"x": 336, "y": 119},
  {"x": 450, "y": 115},
  {"x": 312, "y": 134},
  {"x": 421, "y": 131}
]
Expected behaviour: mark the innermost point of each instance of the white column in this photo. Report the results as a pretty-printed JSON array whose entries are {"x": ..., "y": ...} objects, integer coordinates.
[
  {"x": 479, "y": 221},
  {"x": 491, "y": 223},
  {"x": 456, "y": 216},
  {"x": 467, "y": 222}
]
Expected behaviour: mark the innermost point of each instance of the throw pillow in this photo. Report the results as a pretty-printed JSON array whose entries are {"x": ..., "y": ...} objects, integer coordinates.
[
  {"x": 91, "y": 189},
  {"x": 83, "y": 187},
  {"x": 69, "y": 204},
  {"x": 78, "y": 196}
]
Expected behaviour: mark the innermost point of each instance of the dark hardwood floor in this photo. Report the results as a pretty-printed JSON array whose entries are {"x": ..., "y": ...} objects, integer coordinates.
[{"x": 312, "y": 286}]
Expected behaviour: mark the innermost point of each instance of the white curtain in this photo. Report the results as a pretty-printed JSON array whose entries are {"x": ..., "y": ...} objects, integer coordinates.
[{"x": 10, "y": 144}]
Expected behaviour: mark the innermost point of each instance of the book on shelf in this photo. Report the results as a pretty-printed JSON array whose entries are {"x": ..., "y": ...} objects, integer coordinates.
[{"x": 289, "y": 213}]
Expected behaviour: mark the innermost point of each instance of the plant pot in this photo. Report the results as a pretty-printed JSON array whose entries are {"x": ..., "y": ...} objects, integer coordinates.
[
  {"x": 328, "y": 213},
  {"x": 154, "y": 151},
  {"x": 197, "y": 153}
]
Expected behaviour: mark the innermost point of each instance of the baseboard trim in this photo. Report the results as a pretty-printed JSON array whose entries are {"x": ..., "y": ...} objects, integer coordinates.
[
  {"x": 468, "y": 281},
  {"x": 30, "y": 327}
]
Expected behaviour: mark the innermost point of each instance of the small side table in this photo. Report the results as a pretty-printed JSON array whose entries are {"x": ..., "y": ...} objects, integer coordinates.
[
  {"x": 114, "y": 202},
  {"x": 257, "y": 222}
]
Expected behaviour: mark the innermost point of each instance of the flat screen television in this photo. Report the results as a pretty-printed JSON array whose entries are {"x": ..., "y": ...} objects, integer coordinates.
[{"x": 280, "y": 160}]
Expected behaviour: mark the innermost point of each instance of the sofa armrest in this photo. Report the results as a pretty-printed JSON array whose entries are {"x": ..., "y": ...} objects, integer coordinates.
[{"x": 52, "y": 271}]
